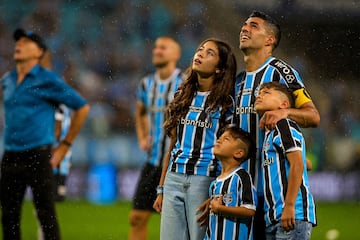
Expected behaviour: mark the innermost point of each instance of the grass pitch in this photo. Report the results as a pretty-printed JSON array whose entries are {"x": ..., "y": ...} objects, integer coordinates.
[{"x": 83, "y": 220}]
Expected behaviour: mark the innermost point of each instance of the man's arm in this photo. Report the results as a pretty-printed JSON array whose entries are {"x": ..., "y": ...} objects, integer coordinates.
[
  {"x": 142, "y": 127},
  {"x": 77, "y": 122},
  {"x": 306, "y": 116}
]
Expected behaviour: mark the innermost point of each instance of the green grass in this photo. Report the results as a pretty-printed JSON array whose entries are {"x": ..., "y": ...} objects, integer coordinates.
[{"x": 83, "y": 220}]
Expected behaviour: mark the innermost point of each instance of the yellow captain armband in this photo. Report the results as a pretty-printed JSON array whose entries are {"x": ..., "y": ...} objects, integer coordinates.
[{"x": 301, "y": 97}]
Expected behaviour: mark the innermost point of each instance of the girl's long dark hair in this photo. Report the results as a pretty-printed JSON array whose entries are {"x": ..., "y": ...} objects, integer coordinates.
[{"x": 220, "y": 92}]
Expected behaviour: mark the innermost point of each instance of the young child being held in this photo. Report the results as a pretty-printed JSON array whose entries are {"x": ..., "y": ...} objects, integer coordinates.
[
  {"x": 232, "y": 195},
  {"x": 289, "y": 206}
]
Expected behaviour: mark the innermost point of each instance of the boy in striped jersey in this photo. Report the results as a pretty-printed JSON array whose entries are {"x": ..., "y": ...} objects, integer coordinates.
[
  {"x": 289, "y": 206},
  {"x": 154, "y": 93},
  {"x": 259, "y": 36},
  {"x": 232, "y": 194}
]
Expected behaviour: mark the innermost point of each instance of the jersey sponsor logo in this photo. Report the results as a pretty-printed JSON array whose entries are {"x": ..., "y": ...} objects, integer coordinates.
[
  {"x": 287, "y": 73},
  {"x": 245, "y": 110},
  {"x": 268, "y": 161},
  {"x": 196, "y": 123}
]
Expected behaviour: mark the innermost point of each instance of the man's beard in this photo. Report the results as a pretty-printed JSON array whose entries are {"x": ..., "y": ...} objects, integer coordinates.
[{"x": 161, "y": 64}]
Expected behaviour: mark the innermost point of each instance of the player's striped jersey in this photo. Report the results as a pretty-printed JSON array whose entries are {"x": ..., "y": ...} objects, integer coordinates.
[
  {"x": 63, "y": 114},
  {"x": 246, "y": 89},
  {"x": 196, "y": 136},
  {"x": 156, "y": 94},
  {"x": 237, "y": 190},
  {"x": 285, "y": 138}
]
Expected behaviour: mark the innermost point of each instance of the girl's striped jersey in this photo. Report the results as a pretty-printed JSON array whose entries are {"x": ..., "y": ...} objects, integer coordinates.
[
  {"x": 63, "y": 114},
  {"x": 246, "y": 89},
  {"x": 237, "y": 190},
  {"x": 156, "y": 94},
  {"x": 196, "y": 136},
  {"x": 285, "y": 138}
]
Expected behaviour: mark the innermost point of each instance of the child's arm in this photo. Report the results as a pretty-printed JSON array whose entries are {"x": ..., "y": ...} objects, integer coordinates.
[
  {"x": 158, "y": 201},
  {"x": 240, "y": 211},
  {"x": 294, "y": 181}
]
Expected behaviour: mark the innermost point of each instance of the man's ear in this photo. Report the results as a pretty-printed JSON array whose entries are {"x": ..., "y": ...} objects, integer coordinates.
[{"x": 270, "y": 40}]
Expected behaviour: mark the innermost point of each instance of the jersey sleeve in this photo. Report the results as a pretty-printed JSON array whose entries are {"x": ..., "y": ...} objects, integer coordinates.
[
  {"x": 247, "y": 193},
  {"x": 290, "y": 77},
  {"x": 301, "y": 97},
  {"x": 141, "y": 91},
  {"x": 289, "y": 136}
]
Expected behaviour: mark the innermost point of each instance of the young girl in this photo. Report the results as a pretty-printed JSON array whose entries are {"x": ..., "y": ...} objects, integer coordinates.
[{"x": 200, "y": 108}]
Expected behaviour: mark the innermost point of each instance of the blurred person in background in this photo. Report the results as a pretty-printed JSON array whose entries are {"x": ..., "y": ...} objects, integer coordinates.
[
  {"x": 259, "y": 36},
  {"x": 154, "y": 93},
  {"x": 62, "y": 124},
  {"x": 31, "y": 95}
]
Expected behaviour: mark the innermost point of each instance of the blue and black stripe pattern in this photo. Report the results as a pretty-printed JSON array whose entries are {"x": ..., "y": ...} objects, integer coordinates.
[
  {"x": 286, "y": 137},
  {"x": 196, "y": 137},
  {"x": 156, "y": 94},
  {"x": 246, "y": 89},
  {"x": 63, "y": 114},
  {"x": 237, "y": 190}
]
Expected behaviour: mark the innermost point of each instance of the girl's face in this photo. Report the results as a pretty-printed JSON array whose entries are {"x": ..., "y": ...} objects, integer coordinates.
[{"x": 206, "y": 59}]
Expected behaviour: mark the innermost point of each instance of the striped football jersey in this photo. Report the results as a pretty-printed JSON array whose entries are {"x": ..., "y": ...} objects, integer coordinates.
[
  {"x": 196, "y": 136},
  {"x": 156, "y": 94},
  {"x": 246, "y": 89},
  {"x": 237, "y": 190},
  {"x": 285, "y": 138},
  {"x": 63, "y": 114}
]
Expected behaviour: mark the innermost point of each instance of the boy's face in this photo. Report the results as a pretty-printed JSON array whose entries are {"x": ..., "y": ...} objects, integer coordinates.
[
  {"x": 227, "y": 146},
  {"x": 270, "y": 99}
]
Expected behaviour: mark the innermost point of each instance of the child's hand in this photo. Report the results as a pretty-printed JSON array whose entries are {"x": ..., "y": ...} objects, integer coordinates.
[
  {"x": 288, "y": 218},
  {"x": 215, "y": 204}
]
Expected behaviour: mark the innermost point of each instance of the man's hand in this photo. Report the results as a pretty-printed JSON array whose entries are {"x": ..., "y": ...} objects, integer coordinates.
[
  {"x": 204, "y": 210},
  {"x": 158, "y": 203},
  {"x": 145, "y": 143},
  {"x": 58, "y": 155},
  {"x": 270, "y": 118}
]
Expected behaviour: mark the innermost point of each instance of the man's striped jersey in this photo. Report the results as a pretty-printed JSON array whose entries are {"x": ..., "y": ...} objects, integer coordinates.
[
  {"x": 196, "y": 136},
  {"x": 237, "y": 190},
  {"x": 246, "y": 89},
  {"x": 63, "y": 114},
  {"x": 285, "y": 138},
  {"x": 156, "y": 94}
]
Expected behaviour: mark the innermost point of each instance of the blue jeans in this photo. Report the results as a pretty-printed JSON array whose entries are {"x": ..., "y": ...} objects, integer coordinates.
[
  {"x": 182, "y": 196},
  {"x": 302, "y": 231}
]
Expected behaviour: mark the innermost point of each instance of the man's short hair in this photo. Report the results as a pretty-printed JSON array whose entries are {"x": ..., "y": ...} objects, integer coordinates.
[{"x": 272, "y": 24}]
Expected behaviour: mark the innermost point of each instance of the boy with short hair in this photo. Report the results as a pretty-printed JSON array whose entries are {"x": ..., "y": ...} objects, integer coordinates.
[
  {"x": 232, "y": 194},
  {"x": 289, "y": 206}
]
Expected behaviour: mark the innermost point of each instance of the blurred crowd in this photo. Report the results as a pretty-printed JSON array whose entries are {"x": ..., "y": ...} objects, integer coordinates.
[{"x": 103, "y": 48}]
